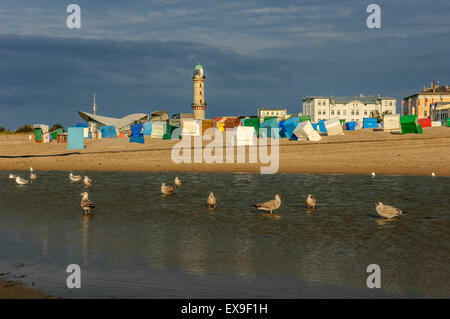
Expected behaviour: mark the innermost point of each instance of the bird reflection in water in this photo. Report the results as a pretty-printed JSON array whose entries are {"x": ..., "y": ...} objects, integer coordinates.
[{"x": 85, "y": 219}]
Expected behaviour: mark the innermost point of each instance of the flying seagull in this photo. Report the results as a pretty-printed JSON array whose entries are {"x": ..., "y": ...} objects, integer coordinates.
[
  {"x": 74, "y": 178},
  {"x": 311, "y": 202},
  {"x": 86, "y": 204},
  {"x": 166, "y": 189},
  {"x": 271, "y": 205},
  {"x": 21, "y": 181},
  {"x": 387, "y": 211},
  {"x": 177, "y": 182},
  {"x": 211, "y": 201},
  {"x": 87, "y": 181}
]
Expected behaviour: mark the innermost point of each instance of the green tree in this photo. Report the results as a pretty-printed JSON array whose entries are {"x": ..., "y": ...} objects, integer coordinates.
[
  {"x": 56, "y": 126},
  {"x": 24, "y": 129},
  {"x": 2, "y": 129}
]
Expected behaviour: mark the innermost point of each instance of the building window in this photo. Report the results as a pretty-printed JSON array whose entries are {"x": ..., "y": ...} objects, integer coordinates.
[
  {"x": 332, "y": 112},
  {"x": 338, "y": 112},
  {"x": 200, "y": 92},
  {"x": 425, "y": 113},
  {"x": 365, "y": 112},
  {"x": 345, "y": 112},
  {"x": 324, "y": 112},
  {"x": 320, "y": 103},
  {"x": 353, "y": 112},
  {"x": 390, "y": 103},
  {"x": 318, "y": 112}
]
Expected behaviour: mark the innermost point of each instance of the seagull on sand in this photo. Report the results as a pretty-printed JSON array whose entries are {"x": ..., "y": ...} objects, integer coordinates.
[
  {"x": 211, "y": 201},
  {"x": 74, "y": 178},
  {"x": 21, "y": 181},
  {"x": 311, "y": 202},
  {"x": 271, "y": 205},
  {"x": 166, "y": 189},
  {"x": 87, "y": 181},
  {"x": 177, "y": 182},
  {"x": 32, "y": 175},
  {"x": 86, "y": 204},
  {"x": 387, "y": 211}
]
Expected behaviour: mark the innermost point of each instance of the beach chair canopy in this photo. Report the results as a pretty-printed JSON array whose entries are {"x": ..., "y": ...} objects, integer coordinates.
[
  {"x": 108, "y": 131},
  {"x": 191, "y": 127},
  {"x": 410, "y": 124},
  {"x": 305, "y": 131},
  {"x": 254, "y": 122},
  {"x": 391, "y": 122},
  {"x": 289, "y": 126},
  {"x": 369, "y": 122},
  {"x": 75, "y": 138},
  {"x": 136, "y": 129},
  {"x": 245, "y": 135},
  {"x": 270, "y": 128},
  {"x": 147, "y": 128},
  {"x": 158, "y": 129},
  {"x": 333, "y": 127}
]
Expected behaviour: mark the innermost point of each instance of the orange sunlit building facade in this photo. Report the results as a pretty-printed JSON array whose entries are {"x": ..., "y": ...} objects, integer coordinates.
[{"x": 421, "y": 103}]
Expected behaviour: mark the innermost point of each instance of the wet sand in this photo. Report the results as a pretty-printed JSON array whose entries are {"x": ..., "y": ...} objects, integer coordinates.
[
  {"x": 356, "y": 152},
  {"x": 14, "y": 290}
]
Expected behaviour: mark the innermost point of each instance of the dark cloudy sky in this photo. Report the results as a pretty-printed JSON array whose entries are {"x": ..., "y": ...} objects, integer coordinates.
[{"x": 138, "y": 56}]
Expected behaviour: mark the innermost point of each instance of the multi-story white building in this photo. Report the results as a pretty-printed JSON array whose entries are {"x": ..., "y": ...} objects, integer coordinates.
[
  {"x": 346, "y": 107},
  {"x": 272, "y": 111}
]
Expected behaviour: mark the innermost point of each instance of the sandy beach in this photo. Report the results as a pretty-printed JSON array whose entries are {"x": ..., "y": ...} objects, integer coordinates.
[
  {"x": 356, "y": 152},
  {"x": 15, "y": 290}
]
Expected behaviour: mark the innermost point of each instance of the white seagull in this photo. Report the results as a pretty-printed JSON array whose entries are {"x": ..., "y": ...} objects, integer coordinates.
[
  {"x": 166, "y": 189},
  {"x": 373, "y": 174},
  {"x": 87, "y": 181},
  {"x": 74, "y": 178},
  {"x": 311, "y": 202},
  {"x": 387, "y": 211},
  {"x": 32, "y": 175},
  {"x": 271, "y": 205},
  {"x": 433, "y": 174},
  {"x": 12, "y": 176},
  {"x": 211, "y": 201},
  {"x": 21, "y": 181},
  {"x": 177, "y": 182},
  {"x": 86, "y": 204}
]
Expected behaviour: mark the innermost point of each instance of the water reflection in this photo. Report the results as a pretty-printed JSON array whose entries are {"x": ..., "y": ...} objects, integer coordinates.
[{"x": 137, "y": 229}]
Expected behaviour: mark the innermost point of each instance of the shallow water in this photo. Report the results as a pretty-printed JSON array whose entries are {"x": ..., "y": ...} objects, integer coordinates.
[{"x": 141, "y": 244}]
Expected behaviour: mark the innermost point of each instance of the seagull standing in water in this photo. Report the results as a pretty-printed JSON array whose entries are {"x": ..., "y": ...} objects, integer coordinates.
[
  {"x": 311, "y": 202},
  {"x": 373, "y": 174},
  {"x": 12, "y": 176},
  {"x": 211, "y": 201},
  {"x": 166, "y": 189},
  {"x": 32, "y": 175},
  {"x": 21, "y": 181},
  {"x": 387, "y": 211},
  {"x": 86, "y": 204},
  {"x": 177, "y": 182},
  {"x": 271, "y": 205},
  {"x": 87, "y": 181},
  {"x": 74, "y": 178}
]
